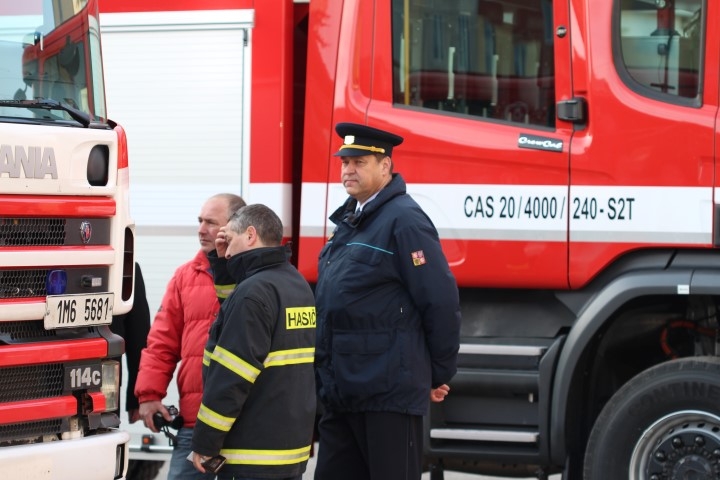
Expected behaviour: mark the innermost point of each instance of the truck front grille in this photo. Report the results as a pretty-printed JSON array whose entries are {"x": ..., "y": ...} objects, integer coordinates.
[
  {"x": 31, "y": 382},
  {"x": 37, "y": 232},
  {"x": 32, "y": 231},
  {"x": 21, "y": 332},
  {"x": 29, "y": 283},
  {"x": 22, "y": 283},
  {"x": 10, "y": 434}
]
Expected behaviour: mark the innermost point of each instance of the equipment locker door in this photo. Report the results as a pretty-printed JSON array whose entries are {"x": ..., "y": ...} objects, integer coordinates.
[
  {"x": 642, "y": 163},
  {"x": 178, "y": 82}
]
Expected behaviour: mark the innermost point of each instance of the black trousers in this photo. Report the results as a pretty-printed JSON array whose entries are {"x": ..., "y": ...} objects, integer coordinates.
[{"x": 369, "y": 446}]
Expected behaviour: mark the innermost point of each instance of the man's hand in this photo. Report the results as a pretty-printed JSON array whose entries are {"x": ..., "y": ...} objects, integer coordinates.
[
  {"x": 439, "y": 394},
  {"x": 197, "y": 460},
  {"x": 221, "y": 244},
  {"x": 133, "y": 415},
  {"x": 148, "y": 409}
]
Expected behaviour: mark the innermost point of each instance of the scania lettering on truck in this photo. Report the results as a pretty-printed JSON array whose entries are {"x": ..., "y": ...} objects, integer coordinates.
[
  {"x": 566, "y": 152},
  {"x": 66, "y": 247}
]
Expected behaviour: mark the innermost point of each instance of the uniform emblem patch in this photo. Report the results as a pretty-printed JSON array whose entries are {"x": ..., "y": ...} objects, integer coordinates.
[
  {"x": 300, "y": 317},
  {"x": 418, "y": 258}
]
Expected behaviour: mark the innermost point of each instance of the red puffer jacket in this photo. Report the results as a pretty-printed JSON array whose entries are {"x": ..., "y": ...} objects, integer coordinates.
[{"x": 180, "y": 332}]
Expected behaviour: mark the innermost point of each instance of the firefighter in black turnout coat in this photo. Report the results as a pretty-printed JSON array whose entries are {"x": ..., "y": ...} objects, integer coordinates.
[
  {"x": 388, "y": 320},
  {"x": 258, "y": 407}
]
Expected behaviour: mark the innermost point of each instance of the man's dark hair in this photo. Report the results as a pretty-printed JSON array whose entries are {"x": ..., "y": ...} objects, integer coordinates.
[
  {"x": 267, "y": 224},
  {"x": 380, "y": 156}
]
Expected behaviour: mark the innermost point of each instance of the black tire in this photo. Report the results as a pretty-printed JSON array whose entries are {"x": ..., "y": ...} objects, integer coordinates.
[
  {"x": 143, "y": 469},
  {"x": 664, "y": 424}
]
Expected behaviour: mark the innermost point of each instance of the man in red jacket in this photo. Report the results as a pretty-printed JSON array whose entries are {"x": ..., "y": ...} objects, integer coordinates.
[{"x": 179, "y": 333}]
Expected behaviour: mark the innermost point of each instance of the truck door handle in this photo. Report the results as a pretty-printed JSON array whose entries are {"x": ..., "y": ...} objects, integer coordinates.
[{"x": 573, "y": 110}]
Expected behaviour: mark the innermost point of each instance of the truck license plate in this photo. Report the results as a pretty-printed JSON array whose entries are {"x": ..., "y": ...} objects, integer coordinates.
[{"x": 70, "y": 311}]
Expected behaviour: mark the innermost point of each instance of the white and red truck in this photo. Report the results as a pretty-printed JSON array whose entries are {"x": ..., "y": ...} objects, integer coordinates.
[{"x": 66, "y": 247}]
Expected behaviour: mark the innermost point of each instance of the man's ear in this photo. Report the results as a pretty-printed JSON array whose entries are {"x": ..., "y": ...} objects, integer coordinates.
[{"x": 252, "y": 235}]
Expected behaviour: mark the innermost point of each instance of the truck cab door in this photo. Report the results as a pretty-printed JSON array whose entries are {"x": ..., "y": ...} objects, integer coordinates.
[
  {"x": 472, "y": 87},
  {"x": 642, "y": 161}
]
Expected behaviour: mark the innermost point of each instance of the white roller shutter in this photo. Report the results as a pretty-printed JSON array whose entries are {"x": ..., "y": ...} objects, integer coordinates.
[{"x": 178, "y": 83}]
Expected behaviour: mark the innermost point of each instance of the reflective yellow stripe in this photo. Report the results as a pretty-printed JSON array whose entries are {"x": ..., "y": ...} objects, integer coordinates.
[
  {"x": 235, "y": 364},
  {"x": 206, "y": 357},
  {"x": 266, "y": 457},
  {"x": 290, "y": 357},
  {"x": 365, "y": 147},
  {"x": 214, "y": 419},
  {"x": 223, "y": 291}
]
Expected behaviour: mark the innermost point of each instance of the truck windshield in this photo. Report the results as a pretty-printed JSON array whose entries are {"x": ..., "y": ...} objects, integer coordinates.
[{"x": 50, "y": 56}]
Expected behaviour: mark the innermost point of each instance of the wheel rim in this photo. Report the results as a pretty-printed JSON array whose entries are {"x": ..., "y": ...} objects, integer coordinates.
[{"x": 682, "y": 445}]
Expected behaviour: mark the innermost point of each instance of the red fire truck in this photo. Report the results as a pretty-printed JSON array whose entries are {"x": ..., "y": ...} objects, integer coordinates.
[
  {"x": 566, "y": 152},
  {"x": 66, "y": 247}
]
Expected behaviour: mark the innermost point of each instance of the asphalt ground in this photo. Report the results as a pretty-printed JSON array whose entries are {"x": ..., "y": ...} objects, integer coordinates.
[{"x": 310, "y": 472}]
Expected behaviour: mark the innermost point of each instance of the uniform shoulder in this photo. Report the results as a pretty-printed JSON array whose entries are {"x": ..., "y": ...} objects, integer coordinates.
[{"x": 191, "y": 268}]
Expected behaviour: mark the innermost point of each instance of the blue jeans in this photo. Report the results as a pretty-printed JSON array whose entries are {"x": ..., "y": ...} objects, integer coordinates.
[{"x": 180, "y": 467}]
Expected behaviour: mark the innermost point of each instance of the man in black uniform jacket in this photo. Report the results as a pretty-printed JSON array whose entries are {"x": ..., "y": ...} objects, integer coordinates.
[
  {"x": 388, "y": 319},
  {"x": 258, "y": 406}
]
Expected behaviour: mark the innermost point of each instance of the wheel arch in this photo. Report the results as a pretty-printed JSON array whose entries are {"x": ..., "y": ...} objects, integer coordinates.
[{"x": 592, "y": 319}]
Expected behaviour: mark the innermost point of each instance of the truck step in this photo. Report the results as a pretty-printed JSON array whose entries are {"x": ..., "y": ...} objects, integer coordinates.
[{"x": 485, "y": 435}]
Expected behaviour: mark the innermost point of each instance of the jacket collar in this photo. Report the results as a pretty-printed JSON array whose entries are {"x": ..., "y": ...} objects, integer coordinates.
[
  {"x": 246, "y": 264},
  {"x": 346, "y": 213},
  {"x": 201, "y": 261}
]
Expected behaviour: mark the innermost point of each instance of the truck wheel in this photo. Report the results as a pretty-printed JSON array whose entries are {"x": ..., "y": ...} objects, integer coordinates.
[
  {"x": 143, "y": 469},
  {"x": 662, "y": 424}
]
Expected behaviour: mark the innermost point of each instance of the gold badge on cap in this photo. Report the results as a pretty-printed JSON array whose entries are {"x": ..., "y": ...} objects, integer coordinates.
[{"x": 349, "y": 139}]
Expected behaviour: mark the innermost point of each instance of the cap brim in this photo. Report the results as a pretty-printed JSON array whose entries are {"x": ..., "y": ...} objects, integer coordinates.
[{"x": 351, "y": 152}]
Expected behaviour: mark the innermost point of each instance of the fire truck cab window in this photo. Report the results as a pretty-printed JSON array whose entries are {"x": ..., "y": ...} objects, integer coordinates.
[
  {"x": 660, "y": 45},
  {"x": 485, "y": 58},
  {"x": 65, "y": 76}
]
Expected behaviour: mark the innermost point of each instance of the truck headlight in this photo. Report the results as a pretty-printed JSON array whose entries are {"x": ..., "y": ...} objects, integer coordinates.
[{"x": 111, "y": 384}]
